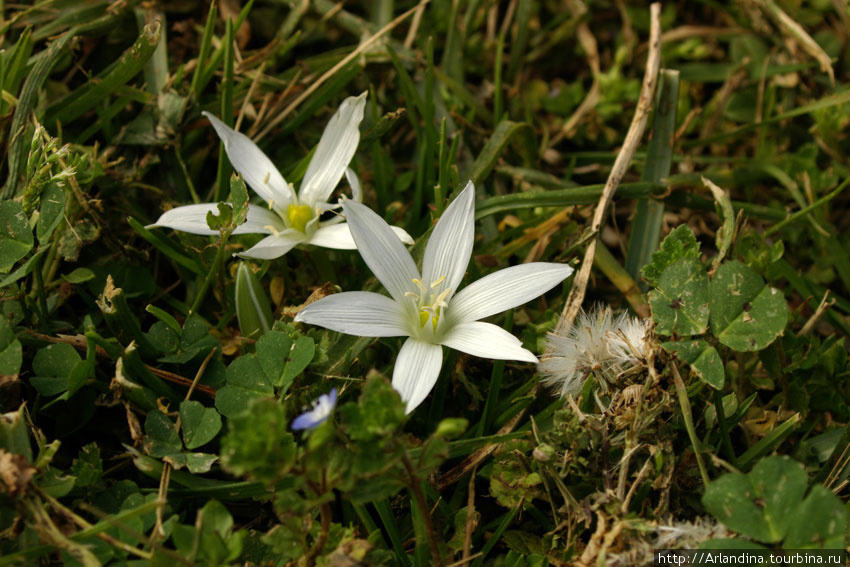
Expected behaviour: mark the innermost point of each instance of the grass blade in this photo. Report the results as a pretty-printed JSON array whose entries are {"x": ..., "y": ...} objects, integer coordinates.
[{"x": 646, "y": 226}]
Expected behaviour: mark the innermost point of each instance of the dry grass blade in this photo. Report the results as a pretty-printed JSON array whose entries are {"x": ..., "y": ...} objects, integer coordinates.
[
  {"x": 621, "y": 164},
  {"x": 800, "y": 35}
]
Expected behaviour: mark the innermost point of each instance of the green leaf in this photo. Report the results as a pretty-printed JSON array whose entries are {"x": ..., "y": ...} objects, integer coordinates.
[
  {"x": 222, "y": 220},
  {"x": 727, "y": 229},
  {"x": 504, "y": 132},
  {"x": 165, "y": 318},
  {"x": 238, "y": 199},
  {"x": 746, "y": 314},
  {"x": 703, "y": 358},
  {"x": 511, "y": 483},
  {"x": 199, "y": 424},
  {"x": 11, "y": 352},
  {"x": 24, "y": 268},
  {"x": 680, "y": 302},
  {"x": 127, "y": 66},
  {"x": 88, "y": 466},
  {"x": 378, "y": 412},
  {"x": 761, "y": 504},
  {"x": 78, "y": 276},
  {"x": 162, "y": 439},
  {"x": 14, "y": 434},
  {"x": 819, "y": 522},
  {"x": 52, "y": 207},
  {"x": 272, "y": 350},
  {"x": 15, "y": 234},
  {"x": 53, "y": 366},
  {"x": 680, "y": 243},
  {"x": 281, "y": 359},
  {"x": 648, "y": 216},
  {"x": 258, "y": 443},
  {"x": 26, "y": 102},
  {"x": 299, "y": 358},
  {"x": 246, "y": 381},
  {"x": 195, "y": 462},
  {"x": 211, "y": 539}
]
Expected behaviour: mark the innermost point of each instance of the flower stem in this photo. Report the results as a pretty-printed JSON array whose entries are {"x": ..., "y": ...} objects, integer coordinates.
[
  {"x": 419, "y": 497},
  {"x": 217, "y": 262},
  {"x": 325, "y": 512}
]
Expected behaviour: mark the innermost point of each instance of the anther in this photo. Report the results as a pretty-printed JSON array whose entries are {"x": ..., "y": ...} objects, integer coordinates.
[
  {"x": 266, "y": 178},
  {"x": 419, "y": 285},
  {"x": 438, "y": 281},
  {"x": 272, "y": 229},
  {"x": 441, "y": 299}
]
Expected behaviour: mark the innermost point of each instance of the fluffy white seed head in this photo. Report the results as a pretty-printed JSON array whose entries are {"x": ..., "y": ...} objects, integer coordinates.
[{"x": 598, "y": 343}]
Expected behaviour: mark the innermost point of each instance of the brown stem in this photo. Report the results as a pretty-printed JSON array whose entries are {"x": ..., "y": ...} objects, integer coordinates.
[
  {"x": 621, "y": 164},
  {"x": 416, "y": 490},
  {"x": 325, "y": 513}
]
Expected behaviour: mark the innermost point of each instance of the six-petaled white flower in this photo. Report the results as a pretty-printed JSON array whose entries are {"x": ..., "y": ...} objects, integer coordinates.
[
  {"x": 290, "y": 218},
  {"x": 425, "y": 306}
]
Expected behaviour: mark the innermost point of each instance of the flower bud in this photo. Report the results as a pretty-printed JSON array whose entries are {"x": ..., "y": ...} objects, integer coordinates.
[{"x": 252, "y": 305}]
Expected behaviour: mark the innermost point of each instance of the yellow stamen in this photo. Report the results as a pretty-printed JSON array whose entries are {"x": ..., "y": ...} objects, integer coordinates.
[
  {"x": 438, "y": 281},
  {"x": 299, "y": 216},
  {"x": 266, "y": 178},
  {"x": 272, "y": 229}
]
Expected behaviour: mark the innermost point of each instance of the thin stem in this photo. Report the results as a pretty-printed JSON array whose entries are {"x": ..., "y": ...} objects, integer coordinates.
[
  {"x": 219, "y": 258},
  {"x": 419, "y": 497},
  {"x": 325, "y": 512},
  {"x": 724, "y": 428}
]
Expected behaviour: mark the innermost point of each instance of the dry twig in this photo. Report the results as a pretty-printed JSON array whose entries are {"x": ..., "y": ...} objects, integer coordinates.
[{"x": 621, "y": 164}]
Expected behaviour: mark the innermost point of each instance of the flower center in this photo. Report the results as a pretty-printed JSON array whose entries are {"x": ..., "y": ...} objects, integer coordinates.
[
  {"x": 298, "y": 216},
  {"x": 429, "y": 304}
]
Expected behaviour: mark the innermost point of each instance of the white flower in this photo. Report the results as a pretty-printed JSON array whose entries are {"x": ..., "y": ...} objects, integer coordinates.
[
  {"x": 424, "y": 306},
  {"x": 290, "y": 219},
  {"x": 597, "y": 343}
]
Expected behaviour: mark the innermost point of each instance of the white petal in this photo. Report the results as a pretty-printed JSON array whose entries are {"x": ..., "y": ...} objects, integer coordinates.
[
  {"x": 356, "y": 313},
  {"x": 334, "y": 236},
  {"x": 506, "y": 288},
  {"x": 381, "y": 248},
  {"x": 450, "y": 246},
  {"x": 416, "y": 371},
  {"x": 255, "y": 167},
  {"x": 193, "y": 219},
  {"x": 487, "y": 341},
  {"x": 354, "y": 183},
  {"x": 334, "y": 152},
  {"x": 402, "y": 234},
  {"x": 274, "y": 246}
]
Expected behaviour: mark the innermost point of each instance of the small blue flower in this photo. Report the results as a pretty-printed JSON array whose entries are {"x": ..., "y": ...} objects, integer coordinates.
[{"x": 322, "y": 409}]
